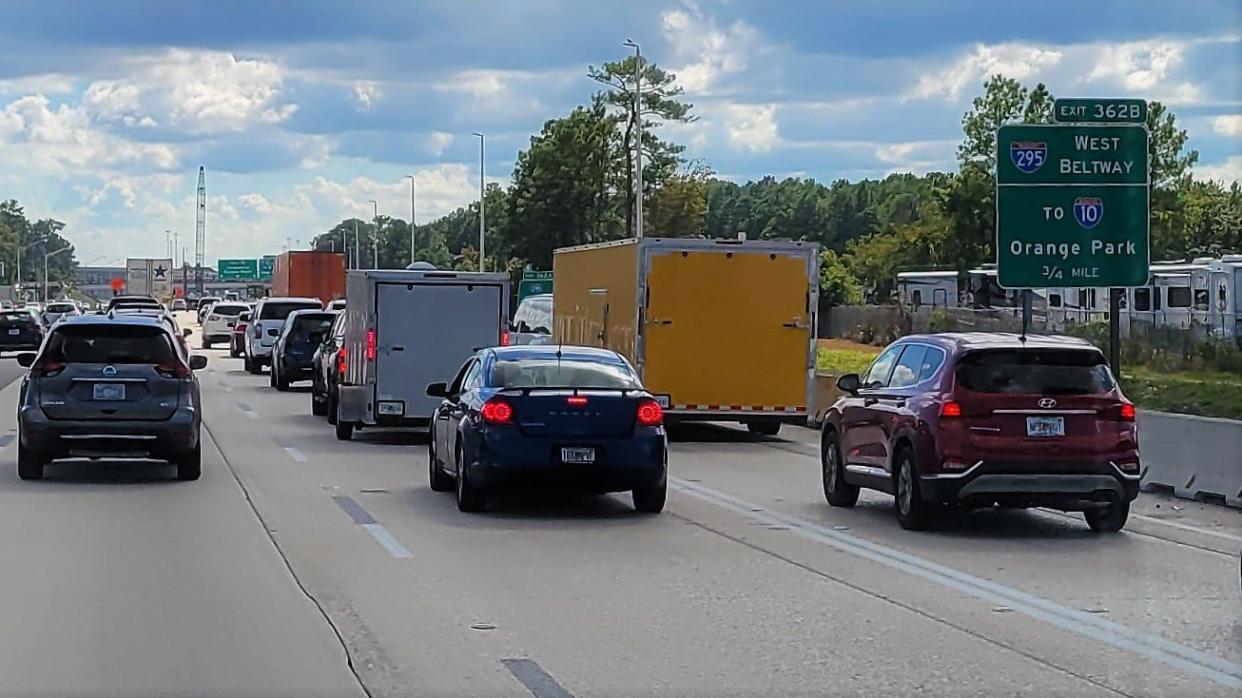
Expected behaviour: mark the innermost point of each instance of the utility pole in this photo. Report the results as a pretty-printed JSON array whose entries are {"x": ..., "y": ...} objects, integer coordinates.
[
  {"x": 357, "y": 258},
  {"x": 638, "y": 145},
  {"x": 411, "y": 178},
  {"x": 375, "y": 235},
  {"x": 482, "y": 192},
  {"x": 200, "y": 230}
]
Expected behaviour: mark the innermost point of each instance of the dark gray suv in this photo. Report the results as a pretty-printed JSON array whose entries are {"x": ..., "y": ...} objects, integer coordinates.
[{"x": 110, "y": 386}]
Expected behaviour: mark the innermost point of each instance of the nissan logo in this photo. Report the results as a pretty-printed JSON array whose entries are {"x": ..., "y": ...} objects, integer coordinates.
[
  {"x": 1047, "y": 403},
  {"x": 109, "y": 371}
]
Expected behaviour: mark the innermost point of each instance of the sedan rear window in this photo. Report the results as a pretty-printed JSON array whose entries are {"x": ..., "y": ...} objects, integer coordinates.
[
  {"x": 110, "y": 344},
  {"x": 61, "y": 308},
  {"x": 566, "y": 373},
  {"x": 312, "y": 325},
  {"x": 280, "y": 311},
  {"x": 228, "y": 310},
  {"x": 1035, "y": 372}
]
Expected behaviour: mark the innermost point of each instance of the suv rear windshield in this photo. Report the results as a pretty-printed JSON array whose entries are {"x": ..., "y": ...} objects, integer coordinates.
[
  {"x": 231, "y": 310},
  {"x": 280, "y": 311},
  {"x": 61, "y": 308},
  {"x": 110, "y": 344},
  {"x": 566, "y": 373},
  {"x": 1035, "y": 372},
  {"x": 18, "y": 317},
  {"x": 534, "y": 315},
  {"x": 317, "y": 324}
]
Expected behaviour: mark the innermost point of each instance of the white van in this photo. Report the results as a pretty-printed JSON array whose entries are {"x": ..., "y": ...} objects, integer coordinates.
[{"x": 406, "y": 329}]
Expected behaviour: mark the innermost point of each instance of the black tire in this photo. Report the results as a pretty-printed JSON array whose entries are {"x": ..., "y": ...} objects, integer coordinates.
[
  {"x": 440, "y": 481},
  {"x": 344, "y": 430},
  {"x": 837, "y": 491},
  {"x": 206, "y": 342},
  {"x": 282, "y": 382},
  {"x": 764, "y": 428},
  {"x": 913, "y": 514},
  {"x": 271, "y": 376},
  {"x": 470, "y": 499},
  {"x": 1110, "y": 519},
  {"x": 29, "y": 463},
  {"x": 190, "y": 464},
  {"x": 649, "y": 499},
  {"x": 319, "y": 403},
  {"x": 253, "y": 366},
  {"x": 332, "y": 406},
  {"x": 233, "y": 353}
]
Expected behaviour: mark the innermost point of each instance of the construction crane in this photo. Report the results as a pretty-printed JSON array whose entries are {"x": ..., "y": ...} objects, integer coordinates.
[{"x": 200, "y": 230}]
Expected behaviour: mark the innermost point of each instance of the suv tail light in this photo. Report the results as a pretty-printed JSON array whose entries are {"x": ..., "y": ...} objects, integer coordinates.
[
  {"x": 173, "y": 369},
  {"x": 504, "y": 339},
  {"x": 47, "y": 368},
  {"x": 1126, "y": 412},
  {"x": 341, "y": 365},
  {"x": 497, "y": 411},
  {"x": 241, "y": 327},
  {"x": 650, "y": 414},
  {"x": 370, "y": 345},
  {"x": 951, "y": 409}
]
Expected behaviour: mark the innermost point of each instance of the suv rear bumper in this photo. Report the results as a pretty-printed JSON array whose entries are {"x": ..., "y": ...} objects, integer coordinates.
[
  {"x": 1071, "y": 486},
  {"x": 63, "y": 438}
]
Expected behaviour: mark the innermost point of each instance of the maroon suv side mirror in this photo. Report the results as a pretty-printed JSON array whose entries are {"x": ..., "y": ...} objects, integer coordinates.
[{"x": 848, "y": 383}]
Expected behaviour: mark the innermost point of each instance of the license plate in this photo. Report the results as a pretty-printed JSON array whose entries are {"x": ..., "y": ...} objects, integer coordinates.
[
  {"x": 662, "y": 401},
  {"x": 1045, "y": 426},
  {"x": 577, "y": 455},
  {"x": 109, "y": 391},
  {"x": 15, "y": 332}
]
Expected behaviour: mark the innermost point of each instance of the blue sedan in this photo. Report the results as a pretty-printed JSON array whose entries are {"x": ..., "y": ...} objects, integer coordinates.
[{"x": 554, "y": 417}]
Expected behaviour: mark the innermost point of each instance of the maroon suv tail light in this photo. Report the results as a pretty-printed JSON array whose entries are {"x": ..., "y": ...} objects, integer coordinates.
[
  {"x": 173, "y": 369},
  {"x": 47, "y": 368},
  {"x": 951, "y": 409}
]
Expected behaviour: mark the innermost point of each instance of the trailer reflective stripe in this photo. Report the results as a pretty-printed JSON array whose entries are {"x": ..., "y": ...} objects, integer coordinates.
[{"x": 739, "y": 408}]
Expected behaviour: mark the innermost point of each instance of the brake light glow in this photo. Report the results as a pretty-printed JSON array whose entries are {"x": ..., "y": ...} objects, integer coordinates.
[
  {"x": 951, "y": 409},
  {"x": 650, "y": 414},
  {"x": 370, "y": 345},
  {"x": 173, "y": 369},
  {"x": 47, "y": 368},
  {"x": 341, "y": 366},
  {"x": 576, "y": 400},
  {"x": 504, "y": 339},
  {"x": 1127, "y": 412},
  {"x": 241, "y": 327},
  {"x": 497, "y": 411}
]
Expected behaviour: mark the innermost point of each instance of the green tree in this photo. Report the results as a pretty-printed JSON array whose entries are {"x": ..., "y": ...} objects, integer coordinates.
[
  {"x": 660, "y": 104},
  {"x": 679, "y": 205},
  {"x": 837, "y": 284}
]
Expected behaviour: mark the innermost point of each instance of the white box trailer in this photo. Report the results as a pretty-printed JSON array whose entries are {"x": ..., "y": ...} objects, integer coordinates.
[
  {"x": 149, "y": 277},
  {"x": 405, "y": 329}
]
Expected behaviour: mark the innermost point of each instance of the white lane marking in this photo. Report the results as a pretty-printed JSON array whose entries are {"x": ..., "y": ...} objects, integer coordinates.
[
  {"x": 1202, "y": 664},
  {"x": 295, "y": 454},
  {"x": 386, "y": 539},
  {"x": 248, "y": 411},
  {"x": 1187, "y": 527}
]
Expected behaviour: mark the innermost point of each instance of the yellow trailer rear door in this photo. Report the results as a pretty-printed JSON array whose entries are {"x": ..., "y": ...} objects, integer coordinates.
[{"x": 728, "y": 329}]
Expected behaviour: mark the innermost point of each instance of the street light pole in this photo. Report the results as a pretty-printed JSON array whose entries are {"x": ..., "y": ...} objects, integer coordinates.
[
  {"x": 47, "y": 256},
  {"x": 638, "y": 150},
  {"x": 375, "y": 235},
  {"x": 357, "y": 258},
  {"x": 411, "y": 178},
  {"x": 482, "y": 224}
]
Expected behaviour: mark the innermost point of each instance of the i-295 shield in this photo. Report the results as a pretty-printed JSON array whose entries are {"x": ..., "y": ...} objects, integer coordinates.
[
  {"x": 1088, "y": 211},
  {"x": 1028, "y": 156}
]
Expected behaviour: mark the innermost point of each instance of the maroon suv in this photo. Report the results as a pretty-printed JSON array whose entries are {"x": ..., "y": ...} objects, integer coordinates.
[{"x": 982, "y": 420}]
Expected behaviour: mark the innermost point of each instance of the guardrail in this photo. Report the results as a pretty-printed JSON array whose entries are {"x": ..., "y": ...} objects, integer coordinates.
[{"x": 1191, "y": 457}]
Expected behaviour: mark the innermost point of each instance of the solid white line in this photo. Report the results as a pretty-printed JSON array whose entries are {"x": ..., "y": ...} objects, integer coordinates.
[
  {"x": 1202, "y": 664},
  {"x": 295, "y": 454},
  {"x": 384, "y": 538},
  {"x": 1186, "y": 527}
]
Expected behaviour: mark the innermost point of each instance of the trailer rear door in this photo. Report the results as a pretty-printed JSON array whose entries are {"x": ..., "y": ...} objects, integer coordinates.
[
  {"x": 728, "y": 329},
  {"x": 424, "y": 334}
]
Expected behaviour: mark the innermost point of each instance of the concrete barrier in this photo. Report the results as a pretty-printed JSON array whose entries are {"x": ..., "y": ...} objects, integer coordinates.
[{"x": 1192, "y": 457}]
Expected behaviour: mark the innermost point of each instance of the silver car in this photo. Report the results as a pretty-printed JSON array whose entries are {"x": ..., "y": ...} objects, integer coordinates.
[
  {"x": 59, "y": 309},
  {"x": 532, "y": 321},
  {"x": 110, "y": 386},
  {"x": 266, "y": 321}
]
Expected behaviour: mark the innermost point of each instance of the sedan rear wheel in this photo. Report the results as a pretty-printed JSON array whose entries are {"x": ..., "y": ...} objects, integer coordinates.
[
  {"x": 649, "y": 499},
  {"x": 469, "y": 497},
  {"x": 440, "y": 481}
]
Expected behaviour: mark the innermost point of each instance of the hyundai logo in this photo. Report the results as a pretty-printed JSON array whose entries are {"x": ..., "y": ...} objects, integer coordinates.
[
  {"x": 109, "y": 371},
  {"x": 1047, "y": 403}
]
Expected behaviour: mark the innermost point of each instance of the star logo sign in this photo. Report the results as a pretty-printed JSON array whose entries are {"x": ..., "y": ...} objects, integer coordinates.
[{"x": 160, "y": 271}]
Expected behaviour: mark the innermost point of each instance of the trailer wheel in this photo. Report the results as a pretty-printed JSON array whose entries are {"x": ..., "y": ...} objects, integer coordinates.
[{"x": 766, "y": 427}]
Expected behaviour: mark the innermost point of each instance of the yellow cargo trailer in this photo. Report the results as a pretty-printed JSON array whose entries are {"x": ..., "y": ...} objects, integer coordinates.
[{"x": 719, "y": 330}]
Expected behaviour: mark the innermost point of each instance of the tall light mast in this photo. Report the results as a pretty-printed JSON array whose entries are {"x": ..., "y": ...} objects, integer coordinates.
[{"x": 200, "y": 231}]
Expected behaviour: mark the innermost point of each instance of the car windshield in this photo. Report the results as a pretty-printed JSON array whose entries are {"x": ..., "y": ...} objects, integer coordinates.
[
  {"x": 1035, "y": 372},
  {"x": 280, "y": 311},
  {"x": 311, "y": 326},
  {"x": 202, "y": 302},
  {"x": 566, "y": 373},
  {"x": 61, "y": 308},
  {"x": 110, "y": 344}
]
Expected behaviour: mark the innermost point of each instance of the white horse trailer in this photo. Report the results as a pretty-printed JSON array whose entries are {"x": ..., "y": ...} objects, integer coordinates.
[{"x": 918, "y": 289}]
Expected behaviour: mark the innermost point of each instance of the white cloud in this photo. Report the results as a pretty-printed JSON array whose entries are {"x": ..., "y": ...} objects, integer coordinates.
[
  {"x": 1019, "y": 61},
  {"x": 202, "y": 92},
  {"x": 1146, "y": 67},
  {"x": 1228, "y": 171},
  {"x": 366, "y": 93},
  {"x": 1228, "y": 125},
  {"x": 752, "y": 126},
  {"x": 60, "y": 139},
  {"x": 709, "y": 52},
  {"x": 45, "y": 84},
  {"x": 438, "y": 142},
  {"x": 439, "y": 190}
]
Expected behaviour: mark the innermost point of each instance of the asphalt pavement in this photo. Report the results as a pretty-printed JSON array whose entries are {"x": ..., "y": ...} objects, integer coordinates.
[{"x": 298, "y": 561}]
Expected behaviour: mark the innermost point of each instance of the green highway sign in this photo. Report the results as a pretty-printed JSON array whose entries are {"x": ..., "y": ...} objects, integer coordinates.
[
  {"x": 236, "y": 269},
  {"x": 1102, "y": 111},
  {"x": 1072, "y": 206},
  {"x": 267, "y": 263},
  {"x": 531, "y": 275},
  {"x": 534, "y": 287}
]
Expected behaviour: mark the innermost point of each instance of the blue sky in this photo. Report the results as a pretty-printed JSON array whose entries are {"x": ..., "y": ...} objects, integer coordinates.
[{"x": 304, "y": 112}]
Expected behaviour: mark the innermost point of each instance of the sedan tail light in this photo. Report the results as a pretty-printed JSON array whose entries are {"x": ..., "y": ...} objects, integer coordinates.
[
  {"x": 173, "y": 369},
  {"x": 650, "y": 414},
  {"x": 497, "y": 411}
]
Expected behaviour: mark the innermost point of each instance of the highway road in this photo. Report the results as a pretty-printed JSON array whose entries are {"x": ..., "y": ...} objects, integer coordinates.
[{"x": 300, "y": 565}]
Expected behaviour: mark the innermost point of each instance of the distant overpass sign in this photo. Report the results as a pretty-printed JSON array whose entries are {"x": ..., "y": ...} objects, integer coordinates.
[
  {"x": 267, "y": 265},
  {"x": 237, "y": 269},
  {"x": 1072, "y": 205}
]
